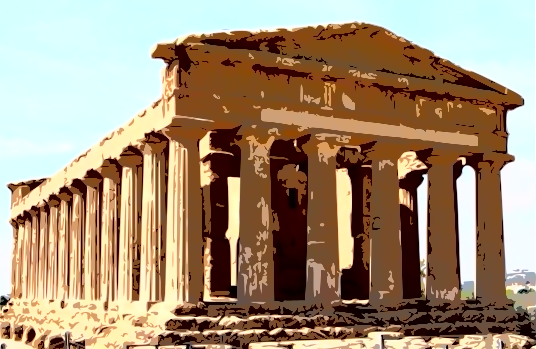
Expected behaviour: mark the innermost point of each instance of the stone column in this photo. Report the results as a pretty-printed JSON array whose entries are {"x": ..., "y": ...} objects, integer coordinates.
[
  {"x": 34, "y": 257},
  {"x": 19, "y": 260},
  {"x": 43, "y": 252},
  {"x": 443, "y": 271},
  {"x": 255, "y": 278},
  {"x": 53, "y": 242},
  {"x": 175, "y": 223},
  {"x": 216, "y": 170},
  {"x": 409, "y": 237},
  {"x": 130, "y": 230},
  {"x": 93, "y": 182},
  {"x": 111, "y": 174},
  {"x": 184, "y": 220},
  {"x": 385, "y": 248},
  {"x": 357, "y": 278},
  {"x": 26, "y": 255},
  {"x": 323, "y": 272},
  {"x": 490, "y": 260},
  {"x": 63, "y": 245},
  {"x": 14, "y": 258},
  {"x": 76, "y": 247},
  {"x": 152, "y": 268}
]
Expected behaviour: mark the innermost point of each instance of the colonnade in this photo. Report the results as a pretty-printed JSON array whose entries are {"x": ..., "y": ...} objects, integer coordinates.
[{"x": 149, "y": 226}]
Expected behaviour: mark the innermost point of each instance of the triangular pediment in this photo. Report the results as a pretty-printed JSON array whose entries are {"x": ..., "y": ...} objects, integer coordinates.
[{"x": 357, "y": 45}]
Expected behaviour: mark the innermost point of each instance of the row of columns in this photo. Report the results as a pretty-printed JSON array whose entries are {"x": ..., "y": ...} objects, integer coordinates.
[{"x": 144, "y": 228}]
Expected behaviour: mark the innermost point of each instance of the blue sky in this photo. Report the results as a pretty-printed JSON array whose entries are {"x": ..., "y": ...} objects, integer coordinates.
[{"x": 72, "y": 71}]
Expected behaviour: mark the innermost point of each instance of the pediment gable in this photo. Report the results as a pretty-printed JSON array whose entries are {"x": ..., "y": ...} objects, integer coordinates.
[{"x": 356, "y": 45}]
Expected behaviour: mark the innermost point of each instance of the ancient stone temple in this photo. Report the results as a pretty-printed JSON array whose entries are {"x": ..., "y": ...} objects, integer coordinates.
[{"x": 143, "y": 240}]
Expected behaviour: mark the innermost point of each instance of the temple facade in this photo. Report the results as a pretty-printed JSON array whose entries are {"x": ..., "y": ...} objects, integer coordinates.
[{"x": 145, "y": 222}]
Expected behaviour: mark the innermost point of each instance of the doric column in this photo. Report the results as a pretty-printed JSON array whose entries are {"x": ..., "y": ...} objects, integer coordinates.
[
  {"x": 76, "y": 246},
  {"x": 215, "y": 172},
  {"x": 43, "y": 252},
  {"x": 14, "y": 258},
  {"x": 153, "y": 228},
  {"x": 34, "y": 259},
  {"x": 93, "y": 182},
  {"x": 255, "y": 278},
  {"x": 409, "y": 235},
  {"x": 385, "y": 249},
  {"x": 111, "y": 174},
  {"x": 184, "y": 217},
  {"x": 357, "y": 278},
  {"x": 443, "y": 271},
  {"x": 130, "y": 229},
  {"x": 323, "y": 271},
  {"x": 490, "y": 260},
  {"x": 19, "y": 259},
  {"x": 26, "y": 256},
  {"x": 63, "y": 245},
  {"x": 53, "y": 240}
]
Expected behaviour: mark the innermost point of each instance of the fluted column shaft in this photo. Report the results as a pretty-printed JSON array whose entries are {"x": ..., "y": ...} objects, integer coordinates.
[
  {"x": 130, "y": 228},
  {"x": 409, "y": 236},
  {"x": 443, "y": 271},
  {"x": 43, "y": 253},
  {"x": 255, "y": 278},
  {"x": 19, "y": 260},
  {"x": 184, "y": 219},
  {"x": 176, "y": 211},
  {"x": 385, "y": 250},
  {"x": 111, "y": 173},
  {"x": 92, "y": 238},
  {"x": 34, "y": 259},
  {"x": 63, "y": 247},
  {"x": 152, "y": 266},
  {"x": 14, "y": 259},
  {"x": 53, "y": 245},
  {"x": 490, "y": 259},
  {"x": 323, "y": 271},
  {"x": 76, "y": 247},
  {"x": 26, "y": 256}
]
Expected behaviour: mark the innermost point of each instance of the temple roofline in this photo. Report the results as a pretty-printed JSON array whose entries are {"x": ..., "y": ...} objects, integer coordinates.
[{"x": 260, "y": 40}]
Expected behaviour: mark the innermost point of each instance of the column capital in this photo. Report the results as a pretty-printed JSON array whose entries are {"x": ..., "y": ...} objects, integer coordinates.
[
  {"x": 110, "y": 169},
  {"x": 130, "y": 157},
  {"x": 443, "y": 157},
  {"x": 92, "y": 179},
  {"x": 77, "y": 187},
  {"x": 349, "y": 157},
  {"x": 53, "y": 201},
  {"x": 14, "y": 223},
  {"x": 65, "y": 194},
  {"x": 153, "y": 142},
  {"x": 493, "y": 162},
  {"x": 184, "y": 133},
  {"x": 34, "y": 211},
  {"x": 321, "y": 145}
]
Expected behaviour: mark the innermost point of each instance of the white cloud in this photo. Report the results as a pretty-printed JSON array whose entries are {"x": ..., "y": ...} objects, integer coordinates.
[{"x": 19, "y": 147}]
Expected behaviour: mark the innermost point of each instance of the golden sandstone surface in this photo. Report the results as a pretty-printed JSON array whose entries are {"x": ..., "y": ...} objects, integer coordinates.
[{"x": 195, "y": 85}]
